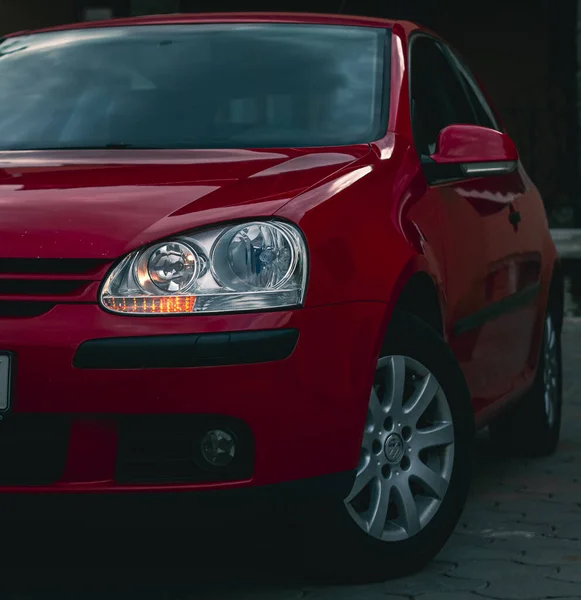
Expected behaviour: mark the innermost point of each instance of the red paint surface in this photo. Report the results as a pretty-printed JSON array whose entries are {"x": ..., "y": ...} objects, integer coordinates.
[
  {"x": 370, "y": 221},
  {"x": 473, "y": 144}
]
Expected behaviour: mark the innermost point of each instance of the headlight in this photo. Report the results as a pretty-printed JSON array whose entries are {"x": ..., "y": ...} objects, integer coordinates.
[
  {"x": 169, "y": 268},
  {"x": 252, "y": 266}
]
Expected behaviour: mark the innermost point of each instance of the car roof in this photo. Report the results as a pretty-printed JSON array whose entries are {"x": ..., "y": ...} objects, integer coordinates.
[{"x": 225, "y": 17}]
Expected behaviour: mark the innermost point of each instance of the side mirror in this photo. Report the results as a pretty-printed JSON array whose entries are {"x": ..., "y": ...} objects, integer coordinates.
[{"x": 476, "y": 151}]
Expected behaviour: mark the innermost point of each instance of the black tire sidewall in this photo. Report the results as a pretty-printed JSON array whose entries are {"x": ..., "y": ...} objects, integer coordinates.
[{"x": 534, "y": 424}]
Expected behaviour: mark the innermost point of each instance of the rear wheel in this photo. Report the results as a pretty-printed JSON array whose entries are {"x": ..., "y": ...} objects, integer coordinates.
[
  {"x": 413, "y": 475},
  {"x": 533, "y": 427}
]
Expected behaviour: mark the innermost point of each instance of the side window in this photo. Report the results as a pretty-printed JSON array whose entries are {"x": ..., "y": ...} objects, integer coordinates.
[
  {"x": 484, "y": 112},
  {"x": 438, "y": 98}
]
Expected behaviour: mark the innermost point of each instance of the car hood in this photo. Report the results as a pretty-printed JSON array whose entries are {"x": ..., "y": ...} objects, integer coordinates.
[{"x": 91, "y": 204}]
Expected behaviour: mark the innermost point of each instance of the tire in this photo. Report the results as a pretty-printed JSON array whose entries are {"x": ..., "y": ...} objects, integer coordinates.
[
  {"x": 339, "y": 544},
  {"x": 533, "y": 427}
]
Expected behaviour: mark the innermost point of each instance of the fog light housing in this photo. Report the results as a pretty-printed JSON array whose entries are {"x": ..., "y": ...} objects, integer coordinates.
[{"x": 218, "y": 448}]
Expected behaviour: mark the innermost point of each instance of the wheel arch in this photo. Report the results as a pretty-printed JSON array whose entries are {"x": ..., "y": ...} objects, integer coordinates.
[
  {"x": 553, "y": 301},
  {"x": 419, "y": 293},
  {"x": 556, "y": 298}
]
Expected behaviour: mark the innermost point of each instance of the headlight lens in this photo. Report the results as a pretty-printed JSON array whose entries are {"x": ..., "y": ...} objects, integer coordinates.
[
  {"x": 171, "y": 268},
  {"x": 251, "y": 266},
  {"x": 253, "y": 257}
]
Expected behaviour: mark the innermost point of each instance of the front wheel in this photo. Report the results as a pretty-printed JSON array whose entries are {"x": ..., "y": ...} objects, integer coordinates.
[{"x": 412, "y": 480}]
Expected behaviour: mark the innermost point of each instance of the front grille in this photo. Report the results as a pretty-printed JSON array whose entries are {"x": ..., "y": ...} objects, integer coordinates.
[
  {"x": 30, "y": 287},
  {"x": 33, "y": 449},
  {"x": 166, "y": 449}
]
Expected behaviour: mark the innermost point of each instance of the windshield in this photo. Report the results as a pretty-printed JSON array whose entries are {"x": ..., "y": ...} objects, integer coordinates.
[{"x": 194, "y": 86}]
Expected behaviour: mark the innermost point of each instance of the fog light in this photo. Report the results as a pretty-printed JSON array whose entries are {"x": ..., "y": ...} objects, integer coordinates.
[{"x": 218, "y": 448}]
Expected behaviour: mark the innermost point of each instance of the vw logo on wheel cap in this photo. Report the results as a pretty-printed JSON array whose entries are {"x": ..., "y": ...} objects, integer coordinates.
[{"x": 394, "y": 448}]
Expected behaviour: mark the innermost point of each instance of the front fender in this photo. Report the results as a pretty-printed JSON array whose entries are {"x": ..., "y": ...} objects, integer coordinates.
[{"x": 365, "y": 226}]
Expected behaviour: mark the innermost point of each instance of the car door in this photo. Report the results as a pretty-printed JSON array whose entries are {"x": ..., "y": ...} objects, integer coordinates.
[
  {"x": 480, "y": 231},
  {"x": 526, "y": 262}
]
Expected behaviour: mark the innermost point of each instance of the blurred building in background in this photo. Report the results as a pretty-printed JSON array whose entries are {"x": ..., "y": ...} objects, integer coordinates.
[{"x": 524, "y": 51}]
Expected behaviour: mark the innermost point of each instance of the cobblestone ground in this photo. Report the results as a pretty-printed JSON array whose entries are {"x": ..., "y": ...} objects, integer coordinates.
[{"x": 519, "y": 538}]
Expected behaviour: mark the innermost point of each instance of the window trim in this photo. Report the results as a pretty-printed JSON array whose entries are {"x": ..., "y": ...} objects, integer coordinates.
[
  {"x": 460, "y": 65},
  {"x": 386, "y": 72},
  {"x": 435, "y": 174},
  {"x": 443, "y": 48}
]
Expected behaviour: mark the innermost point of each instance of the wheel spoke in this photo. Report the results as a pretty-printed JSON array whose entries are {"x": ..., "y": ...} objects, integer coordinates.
[
  {"x": 407, "y": 508},
  {"x": 364, "y": 476},
  {"x": 391, "y": 476},
  {"x": 376, "y": 408},
  {"x": 549, "y": 408},
  {"x": 422, "y": 398},
  {"x": 551, "y": 336},
  {"x": 441, "y": 434},
  {"x": 433, "y": 483},
  {"x": 379, "y": 514},
  {"x": 368, "y": 437},
  {"x": 394, "y": 385}
]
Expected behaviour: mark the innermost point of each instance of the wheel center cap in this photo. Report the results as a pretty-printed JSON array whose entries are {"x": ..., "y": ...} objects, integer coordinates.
[{"x": 394, "y": 448}]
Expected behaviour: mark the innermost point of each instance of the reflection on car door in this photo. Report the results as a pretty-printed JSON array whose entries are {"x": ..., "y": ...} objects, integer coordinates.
[
  {"x": 487, "y": 273},
  {"x": 520, "y": 313}
]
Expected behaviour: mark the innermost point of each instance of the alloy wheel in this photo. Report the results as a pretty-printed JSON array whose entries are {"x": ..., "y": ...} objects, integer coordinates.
[
  {"x": 407, "y": 452},
  {"x": 551, "y": 371}
]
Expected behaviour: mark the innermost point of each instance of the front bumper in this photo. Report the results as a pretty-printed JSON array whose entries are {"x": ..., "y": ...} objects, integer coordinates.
[
  {"x": 186, "y": 506},
  {"x": 303, "y": 415}
]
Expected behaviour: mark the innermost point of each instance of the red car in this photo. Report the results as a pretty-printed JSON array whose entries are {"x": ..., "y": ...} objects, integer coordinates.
[{"x": 268, "y": 252}]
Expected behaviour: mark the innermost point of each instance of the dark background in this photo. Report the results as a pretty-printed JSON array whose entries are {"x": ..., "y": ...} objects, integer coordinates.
[{"x": 524, "y": 52}]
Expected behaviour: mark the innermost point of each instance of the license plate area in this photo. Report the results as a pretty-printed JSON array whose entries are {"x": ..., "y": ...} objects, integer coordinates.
[{"x": 5, "y": 382}]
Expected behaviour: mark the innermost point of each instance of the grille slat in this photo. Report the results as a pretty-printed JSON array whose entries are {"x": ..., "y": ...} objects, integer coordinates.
[
  {"x": 24, "y": 310},
  {"x": 16, "y": 287},
  {"x": 51, "y": 266},
  {"x": 49, "y": 277}
]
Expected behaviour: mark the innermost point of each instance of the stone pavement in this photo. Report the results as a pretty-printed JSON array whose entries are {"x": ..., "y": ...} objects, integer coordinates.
[{"x": 520, "y": 538}]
